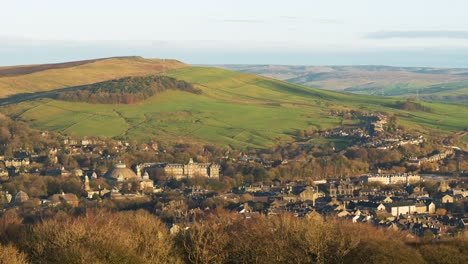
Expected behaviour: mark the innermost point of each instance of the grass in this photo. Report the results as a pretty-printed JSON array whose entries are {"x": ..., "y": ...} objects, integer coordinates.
[
  {"x": 97, "y": 71},
  {"x": 463, "y": 143},
  {"x": 235, "y": 109}
]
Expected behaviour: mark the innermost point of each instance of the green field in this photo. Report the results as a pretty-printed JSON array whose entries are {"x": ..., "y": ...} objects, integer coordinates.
[{"x": 236, "y": 109}]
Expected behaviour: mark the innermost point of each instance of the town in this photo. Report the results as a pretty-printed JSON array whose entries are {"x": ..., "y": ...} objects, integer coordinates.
[
  {"x": 85, "y": 172},
  {"x": 265, "y": 132}
]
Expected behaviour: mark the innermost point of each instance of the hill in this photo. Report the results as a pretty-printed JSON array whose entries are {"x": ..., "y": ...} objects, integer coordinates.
[
  {"x": 232, "y": 108},
  {"x": 39, "y": 78},
  {"x": 27, "y": 69},
  {"x": 430, "y": 84}
]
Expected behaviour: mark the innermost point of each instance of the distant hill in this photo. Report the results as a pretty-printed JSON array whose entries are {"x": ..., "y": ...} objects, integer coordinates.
[
  {"x": 430, "y": 84},
  {"x": 39, "y": 78},
  {"x": 233, "y": 109}
]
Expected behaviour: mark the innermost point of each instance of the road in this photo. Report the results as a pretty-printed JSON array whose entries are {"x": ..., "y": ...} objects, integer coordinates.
[{"x": 18, "y": 98}]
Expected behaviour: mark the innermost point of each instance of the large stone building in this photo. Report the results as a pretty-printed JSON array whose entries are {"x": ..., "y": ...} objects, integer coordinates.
[
  {"x": 189, "y": 170},
  {"x": 120, "y": 174},
  {"x": 342, "y": 188}
]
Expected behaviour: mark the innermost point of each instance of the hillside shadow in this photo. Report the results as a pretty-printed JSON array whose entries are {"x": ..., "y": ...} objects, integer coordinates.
[{"x": 22, "y": 97}]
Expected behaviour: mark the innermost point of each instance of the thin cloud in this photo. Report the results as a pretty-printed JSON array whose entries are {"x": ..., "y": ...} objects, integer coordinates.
[
  {"x": 418, "y": 34},
  {"x": 327, "y": 21},
  {"x": 317, "y": 20},
  {"x": 284, "y": 18},
  {"x": 240, "y": 21},
  {"x": 290, "y": 17}
]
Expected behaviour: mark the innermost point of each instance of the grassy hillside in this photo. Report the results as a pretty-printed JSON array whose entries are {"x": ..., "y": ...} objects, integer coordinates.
[
  {"x": 28, "y": 69},
  {"x": 234, "y": 108},
  {"x": 30, "y": 79},
  {"x": 431, "y": 84}
]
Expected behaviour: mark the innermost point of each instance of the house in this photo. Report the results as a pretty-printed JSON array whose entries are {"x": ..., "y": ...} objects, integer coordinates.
[
  {"x": 343, "y": 188},
  {"x": 414, "y": 161},
  {"x": 64, "y": 198},
  {"x": 431, "y": 208},
  {"x": 447, "y": 199},
  {"x": 460, "y": 191},
  {"x": 366, "y": 206},
  {"x": 401, "y": 208},
  {"x": 290, "y": 198},
  {"x": 387, "y": 200},
  {"x": 310, "y": 194},
  {"x": 381, "y": 207},
  {"x": 421, "y": 208}
]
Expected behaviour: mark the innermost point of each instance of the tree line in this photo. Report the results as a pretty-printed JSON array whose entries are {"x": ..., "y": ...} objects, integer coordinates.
[{"x": 102, "y": 236}]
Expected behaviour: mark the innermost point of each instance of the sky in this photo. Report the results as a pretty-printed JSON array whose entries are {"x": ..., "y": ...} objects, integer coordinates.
[{"x": 296, "y": 32}]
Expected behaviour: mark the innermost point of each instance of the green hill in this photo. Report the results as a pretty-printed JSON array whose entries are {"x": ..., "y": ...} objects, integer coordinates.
[{"x": 232, "y": 108}]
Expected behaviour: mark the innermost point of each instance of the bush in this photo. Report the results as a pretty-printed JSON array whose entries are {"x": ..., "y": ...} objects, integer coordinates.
[
  {"x": 9, "y": 254},
  {"x": 99, "y": 237}
]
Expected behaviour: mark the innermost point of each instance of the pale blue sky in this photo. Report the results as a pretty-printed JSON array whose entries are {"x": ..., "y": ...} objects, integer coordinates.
[{"x": 397, "y": 32}]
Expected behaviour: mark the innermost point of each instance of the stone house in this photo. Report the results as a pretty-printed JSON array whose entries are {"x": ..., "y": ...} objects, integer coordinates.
[
  {"x": 401, "y": 208},
  {"x": 311, "y": 194},
  {"x": 420, "y": 208},
  {"x": 447, "y": 199}
]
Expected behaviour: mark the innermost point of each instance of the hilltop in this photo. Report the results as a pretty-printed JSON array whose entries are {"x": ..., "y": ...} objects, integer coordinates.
[
  {"x": 39, "y": 78},
  {"x": 228, "y": 108},
  {"x": 430, "y": 84}
]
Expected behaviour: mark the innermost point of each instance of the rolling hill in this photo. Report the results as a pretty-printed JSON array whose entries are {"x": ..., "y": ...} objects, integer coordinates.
[
  {"x": 232, "y": 109},
  {"x": 39, "y": 78},
  {"x": 429, "y": 84}
]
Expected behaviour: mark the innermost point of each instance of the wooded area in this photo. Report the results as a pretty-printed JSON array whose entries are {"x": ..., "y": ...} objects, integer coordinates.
[
  {"x": 127, "y": 90},
  {"x": 100, "y": 236}
]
